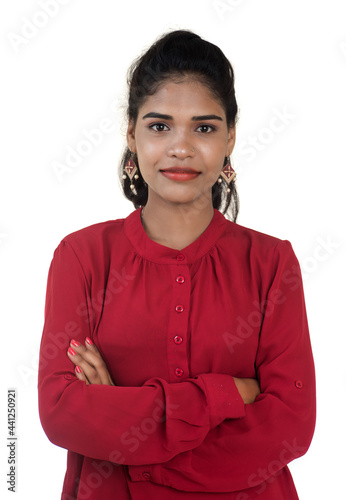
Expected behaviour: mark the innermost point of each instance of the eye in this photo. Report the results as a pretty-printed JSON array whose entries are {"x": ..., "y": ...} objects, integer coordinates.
[
  {"x": 157, "y": 125},
  {"x": 212, "y": 129}
]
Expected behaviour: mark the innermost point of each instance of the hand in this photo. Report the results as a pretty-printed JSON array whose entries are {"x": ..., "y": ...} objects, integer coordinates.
[
  {"x": 90, "y": 366},
  {"x": 248, "y": 388}
]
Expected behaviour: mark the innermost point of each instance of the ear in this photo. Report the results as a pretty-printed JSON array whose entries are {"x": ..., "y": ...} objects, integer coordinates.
[
  {"x": 231, "y": 140},
  {"x": 130, "y": 136}
]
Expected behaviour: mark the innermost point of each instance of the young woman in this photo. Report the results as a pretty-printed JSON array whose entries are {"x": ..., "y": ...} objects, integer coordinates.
[{"x": 175, "y": 360}]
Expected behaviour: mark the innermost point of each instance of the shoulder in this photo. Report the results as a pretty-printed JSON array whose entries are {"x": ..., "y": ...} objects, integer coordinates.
[
  {"x": 93, "y": 241},
  {"x": 256, "y": 247},
  {"x": 258, "y": 255},
  {"x": 245, "y": 236},
  {"x": 100, "y": 230}
]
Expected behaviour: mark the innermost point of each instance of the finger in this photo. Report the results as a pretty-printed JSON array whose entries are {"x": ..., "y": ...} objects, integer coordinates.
[
  {"x": 88, "y": 370},
  {"x": 90, "y": 360},
  {"x": 102, "y": 368},
  {"x": 80, "y": 375},
  {"x": 91, "y": 363},
  {"x": 72, "y": 354},
  {"x": 79, "y": 361},
  {"x": 88, "y": 352},
  {"x": 89, "y": 343},
  {"x": 91, "y": 346},
  {"x": 92, "y": 357}
]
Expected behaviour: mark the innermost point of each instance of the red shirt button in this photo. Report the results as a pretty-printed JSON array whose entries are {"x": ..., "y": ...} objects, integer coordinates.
[
  {"x": 179, "y": 308},
  {"x": 68, "y": 376},
  {"x": 180, "y": 279},
  {"x": 180, "y": 256},
  {"x": 177, "y": 339},
  {"x": 299, "y": 384},
  {"x": 179, "y": 372},
  {"x": 146, "y": 475}
]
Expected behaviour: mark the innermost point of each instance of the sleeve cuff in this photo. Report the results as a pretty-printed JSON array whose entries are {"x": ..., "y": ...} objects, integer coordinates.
[{"x": 224, "y": 399}]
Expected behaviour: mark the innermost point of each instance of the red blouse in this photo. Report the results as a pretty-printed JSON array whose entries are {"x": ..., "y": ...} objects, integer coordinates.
[{"x": 174, "y": 327}]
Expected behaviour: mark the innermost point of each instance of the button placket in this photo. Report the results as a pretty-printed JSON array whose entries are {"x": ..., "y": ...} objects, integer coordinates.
[{"x": 177, "y": 329}]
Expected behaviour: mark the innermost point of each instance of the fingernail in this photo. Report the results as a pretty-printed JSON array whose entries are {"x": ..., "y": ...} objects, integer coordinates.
[
  {"x": 71, "y": 351},
  {"x": 74, "y": 342},
  {"x": 78, "y": 370},
  {"x": 89, "y": 341}
]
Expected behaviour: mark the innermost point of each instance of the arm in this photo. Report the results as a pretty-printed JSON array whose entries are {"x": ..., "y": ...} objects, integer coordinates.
[
  {"x": 278, "y": 427},
  {"x": 130, "y": 425},
  {"x": 91, "y": 368},
  {"x": 248, "y": 388}
]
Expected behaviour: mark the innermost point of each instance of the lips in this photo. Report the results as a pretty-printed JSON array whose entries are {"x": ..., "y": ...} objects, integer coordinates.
[{"x": 180, "y": 170}]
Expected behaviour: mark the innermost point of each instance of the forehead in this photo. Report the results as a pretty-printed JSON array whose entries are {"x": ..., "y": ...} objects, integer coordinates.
[{"x": 185, "y": 94}]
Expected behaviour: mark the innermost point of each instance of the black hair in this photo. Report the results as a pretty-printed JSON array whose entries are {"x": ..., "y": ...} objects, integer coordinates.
[{"x": 174, "y": 55}]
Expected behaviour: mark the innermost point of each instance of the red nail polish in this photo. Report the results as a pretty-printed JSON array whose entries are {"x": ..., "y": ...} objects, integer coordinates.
[
  {"x": 74, "y": 342},
  {"x": 89, "y": 341},
  {"x": 71, "y": 351},
  {"x": 78, "y": 370}
]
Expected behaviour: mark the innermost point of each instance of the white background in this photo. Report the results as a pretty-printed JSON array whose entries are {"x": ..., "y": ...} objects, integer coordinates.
[{"x": 289, "y": 57}]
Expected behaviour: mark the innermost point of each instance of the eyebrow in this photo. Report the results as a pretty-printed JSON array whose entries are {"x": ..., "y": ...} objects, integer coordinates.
[{"x": 169, "y": 117}]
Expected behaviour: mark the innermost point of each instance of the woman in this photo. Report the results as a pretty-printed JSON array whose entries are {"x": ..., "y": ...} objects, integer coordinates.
[{"x": 175, "y": 359}]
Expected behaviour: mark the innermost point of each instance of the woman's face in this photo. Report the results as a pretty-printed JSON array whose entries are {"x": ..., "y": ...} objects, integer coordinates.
[{"x": 191, "y": 133}]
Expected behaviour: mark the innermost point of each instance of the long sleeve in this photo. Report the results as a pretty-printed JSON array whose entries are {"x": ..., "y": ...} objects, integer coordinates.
[
  {"x": 279, "y": 425},
  {"x": 129, "y": 425}
]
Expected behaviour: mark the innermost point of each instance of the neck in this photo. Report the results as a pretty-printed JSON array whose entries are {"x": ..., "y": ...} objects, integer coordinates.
[{"x": 176, "y": 226}]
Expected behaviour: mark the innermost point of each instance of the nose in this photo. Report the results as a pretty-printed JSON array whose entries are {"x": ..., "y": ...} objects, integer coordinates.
[{"x": 182, "y": 148}]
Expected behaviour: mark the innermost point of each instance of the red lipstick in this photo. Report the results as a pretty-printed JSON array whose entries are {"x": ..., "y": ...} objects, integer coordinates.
[{"x": 180, "y": 173}]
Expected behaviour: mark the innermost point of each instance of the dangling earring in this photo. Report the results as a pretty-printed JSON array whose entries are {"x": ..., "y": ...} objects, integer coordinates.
[
  {"x": 228, "y": 174},
  {"x": 131, "y": 169}
]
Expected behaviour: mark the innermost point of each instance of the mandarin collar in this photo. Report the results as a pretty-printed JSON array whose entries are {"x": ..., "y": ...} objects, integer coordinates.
[{"x": 155, "y": 252}]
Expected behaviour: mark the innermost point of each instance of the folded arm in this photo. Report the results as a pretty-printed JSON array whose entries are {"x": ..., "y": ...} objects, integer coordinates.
[
  {"x": 279, "y": 425},
  {"x": 129, "y": 425}
]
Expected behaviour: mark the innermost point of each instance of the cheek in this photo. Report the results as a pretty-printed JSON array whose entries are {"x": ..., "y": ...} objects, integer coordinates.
[
  {"x": 148, "y": 153},
  {"x": 213, "y": 177},
  {"x": 214, "y": 159}
]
